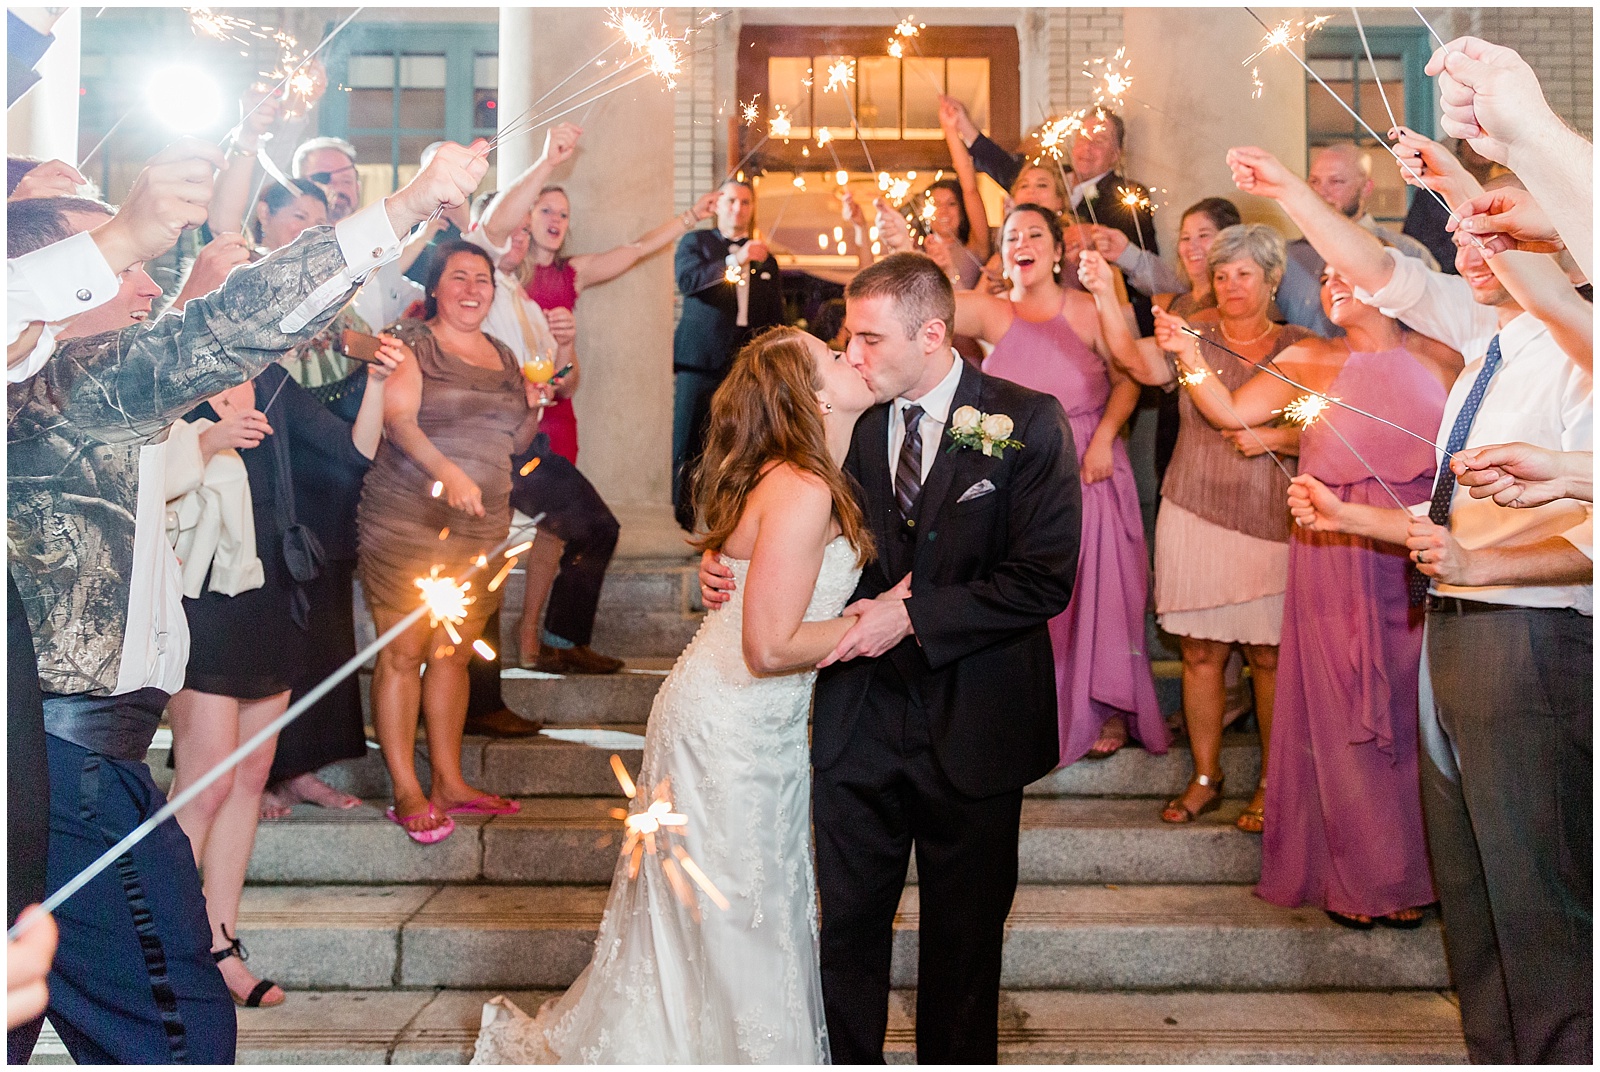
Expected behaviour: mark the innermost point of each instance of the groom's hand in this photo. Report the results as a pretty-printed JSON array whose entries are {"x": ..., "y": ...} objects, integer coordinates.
[
  {"x": 881, "y": 623},
  {"x": 716, "y": 581}
]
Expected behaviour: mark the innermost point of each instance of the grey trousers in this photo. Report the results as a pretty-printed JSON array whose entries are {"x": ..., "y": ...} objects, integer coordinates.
[{"x": 1510, "y": 830}]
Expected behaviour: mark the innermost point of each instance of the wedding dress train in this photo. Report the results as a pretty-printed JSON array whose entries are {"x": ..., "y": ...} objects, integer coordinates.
[{"x": 676, "y": 979}]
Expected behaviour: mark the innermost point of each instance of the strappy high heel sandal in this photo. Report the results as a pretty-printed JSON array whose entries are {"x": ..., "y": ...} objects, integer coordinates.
[
  {"x": 260, "y": 990},
  {"x": 1176, "y": 806},
  {"x": 1254, "y": 817}
]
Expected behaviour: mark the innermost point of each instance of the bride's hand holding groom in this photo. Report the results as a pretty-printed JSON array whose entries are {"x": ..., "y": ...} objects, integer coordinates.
[{"x": 881, "y": 623}]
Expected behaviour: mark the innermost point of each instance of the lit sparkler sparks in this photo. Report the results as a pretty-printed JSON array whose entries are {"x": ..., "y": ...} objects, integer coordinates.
[
  {"x": 1112, "y": 81},
  {"x": 732, "y": 274},
  {"x": 1285, "y": 34},
  {"x": 906, "y": 28},
  {"x": 1306, "y": 410},
  {"x": 651, "y": 830},
  {"x": 780, "y": 125},
  {"x": 1257, "y": 85},
  {"x": 824, "y": 136},
  {"x": 1194, "y": 377},
  {"x": 447, "y": 601},
  {"x": 896, "y": 49},
  {"x": 841, "y": 73}
]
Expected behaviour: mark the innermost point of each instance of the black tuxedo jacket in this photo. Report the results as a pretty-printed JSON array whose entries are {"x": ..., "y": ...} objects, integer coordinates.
[
  {"x": 987, "y": 575},
  {"x": 707, "y": 337}
]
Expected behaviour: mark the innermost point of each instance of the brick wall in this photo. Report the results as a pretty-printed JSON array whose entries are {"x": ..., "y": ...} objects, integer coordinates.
[
  {"x": 1558, "y": 42},
  {"x": 1090, "y": 32}
]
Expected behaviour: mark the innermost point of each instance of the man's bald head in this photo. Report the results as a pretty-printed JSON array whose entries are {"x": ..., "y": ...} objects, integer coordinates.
[{"x": 1341, "y": 174}]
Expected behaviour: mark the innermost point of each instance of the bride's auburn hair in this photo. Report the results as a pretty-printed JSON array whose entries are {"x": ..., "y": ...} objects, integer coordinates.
[{"x": 767, "y": 411}]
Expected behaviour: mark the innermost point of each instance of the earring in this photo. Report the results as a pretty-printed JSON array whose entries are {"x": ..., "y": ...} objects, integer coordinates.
[{"x": 827, "y": 407}]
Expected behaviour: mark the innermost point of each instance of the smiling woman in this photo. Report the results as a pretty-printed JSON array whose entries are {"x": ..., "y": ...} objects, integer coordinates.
[{"x": 453, "y": 417}]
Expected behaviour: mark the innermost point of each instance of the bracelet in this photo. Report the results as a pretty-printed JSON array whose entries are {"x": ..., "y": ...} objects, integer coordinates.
[
  {"x": 688, "y": 219},
  {"x": 235, "y": 149}
]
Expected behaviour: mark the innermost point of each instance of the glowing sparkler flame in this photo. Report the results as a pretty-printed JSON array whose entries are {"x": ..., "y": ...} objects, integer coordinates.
[
  {"x": 1195, "y": 377},
  {"x": 750, "y": 112},
  {"x": 1285, "y": 34},
  {"x": 1307, "y": 409},
  {"x": 1112, "y": 81},
  {"x": 824, "y": 136},
  {"x": 732, "y": 274},
  {"x": 906, "y": 28},
  {"x": 635, "y": 29},
  {"x": 664, "y": 60},
  {"x": 446, "y": 599},
  {"x": 650, "y": 830},
  {"x": 1132, "y": 198},
  {"x": 896, "y": 49},
  {"x": 1256, "y": 83},
  {"x": 780, "y": 124},
  {"x": 898, "y": 189},
  {"x": 840, "y": 74}
]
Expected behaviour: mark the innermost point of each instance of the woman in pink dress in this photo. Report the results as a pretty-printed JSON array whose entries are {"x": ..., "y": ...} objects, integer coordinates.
[
  {"x": 1049, "y": 338},
  {"x": 1346, "y": 833}
]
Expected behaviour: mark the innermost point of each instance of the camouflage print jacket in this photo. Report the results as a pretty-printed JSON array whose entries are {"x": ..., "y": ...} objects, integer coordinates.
[{"x": 75, "y": 433}]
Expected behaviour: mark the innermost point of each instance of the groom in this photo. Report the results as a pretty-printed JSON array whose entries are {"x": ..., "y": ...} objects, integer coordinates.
[{"x": 938, "y": 708}]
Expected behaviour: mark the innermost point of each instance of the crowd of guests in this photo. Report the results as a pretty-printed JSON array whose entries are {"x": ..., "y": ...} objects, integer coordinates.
[{"x": 323, "y": 405}]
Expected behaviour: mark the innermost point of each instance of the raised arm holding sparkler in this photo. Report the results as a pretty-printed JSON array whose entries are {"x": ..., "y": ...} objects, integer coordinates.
[
  {"x": 950, "y": 116},
  {"x": 1140, "y": 359},
  {"x": 231, "y": 202}
]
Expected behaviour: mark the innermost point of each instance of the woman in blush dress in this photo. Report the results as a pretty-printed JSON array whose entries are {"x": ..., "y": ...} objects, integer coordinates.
[
  {"x": 1050, "y": 339},
  {"x": 1346, "y": 832}
]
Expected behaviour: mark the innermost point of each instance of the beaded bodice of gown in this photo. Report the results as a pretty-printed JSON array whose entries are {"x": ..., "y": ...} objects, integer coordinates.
[{"x": 673, "y": 984}]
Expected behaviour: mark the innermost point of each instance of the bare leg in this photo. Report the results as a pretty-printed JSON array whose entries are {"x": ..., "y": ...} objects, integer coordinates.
[
  {"x": 444, "y": 709},
  {"x": 233, "y": 836},
  {"x": 308, "y": 788},
  {"x": 1203, "y": 698},
  {"x": 1113, "y": 735},
  {"x": 396, "y": 700},
  {"x": 540, "y": 567},
  {"x": 205, "y": 728},
  {"x": 1263, "y": 659}
]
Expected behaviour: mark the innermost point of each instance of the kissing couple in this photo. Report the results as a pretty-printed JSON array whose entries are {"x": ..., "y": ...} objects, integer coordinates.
[{"x": 867, "y": 513}]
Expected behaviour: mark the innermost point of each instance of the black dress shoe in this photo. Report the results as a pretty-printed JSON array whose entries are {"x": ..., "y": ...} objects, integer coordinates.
[
  {"x": 579, "y": 660},
  {"x": 502, "y": 723}
]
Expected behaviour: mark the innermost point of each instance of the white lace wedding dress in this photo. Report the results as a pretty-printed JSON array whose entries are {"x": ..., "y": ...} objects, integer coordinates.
[{"x": 670, "y": 983}]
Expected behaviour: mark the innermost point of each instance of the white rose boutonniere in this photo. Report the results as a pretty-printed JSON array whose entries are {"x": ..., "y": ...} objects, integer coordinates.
[
  {"x": 1092, "y": 193},
  {"x": 988, "y": 432}
]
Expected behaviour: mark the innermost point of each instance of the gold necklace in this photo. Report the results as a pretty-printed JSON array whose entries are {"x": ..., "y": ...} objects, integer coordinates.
[{"x": 1223, "y": 327}]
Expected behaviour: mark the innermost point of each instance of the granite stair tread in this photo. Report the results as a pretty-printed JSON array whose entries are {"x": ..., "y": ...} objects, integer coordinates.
[{"x": 1072, "y": 937}]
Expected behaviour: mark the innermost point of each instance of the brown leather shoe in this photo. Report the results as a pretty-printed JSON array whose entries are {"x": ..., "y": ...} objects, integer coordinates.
[
  {"x": 579, "y": 660},
  {"x": 503, "y": 723}
]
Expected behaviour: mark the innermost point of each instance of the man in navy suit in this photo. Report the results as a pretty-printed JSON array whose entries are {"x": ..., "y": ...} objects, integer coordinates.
[{"x": 731, "y": 291}]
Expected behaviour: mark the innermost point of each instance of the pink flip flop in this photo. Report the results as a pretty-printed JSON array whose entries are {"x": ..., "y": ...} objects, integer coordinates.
[
  {"x": 422, "y": 837},
  {"x": 483, "y": 806}
]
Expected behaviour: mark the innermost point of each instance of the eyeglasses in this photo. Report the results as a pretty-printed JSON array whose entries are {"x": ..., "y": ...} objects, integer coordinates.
[{"x": 322, "y": 178}]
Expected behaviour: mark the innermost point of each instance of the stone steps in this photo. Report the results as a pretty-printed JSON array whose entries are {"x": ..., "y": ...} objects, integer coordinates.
[
  {"x": 575, "y": 840},
  {"x": 648, "y": 606},
  {"x": 1059, "y": 937},
  {"x": 1037, "y": 1027},
  {"x": 575, "y": 699}
]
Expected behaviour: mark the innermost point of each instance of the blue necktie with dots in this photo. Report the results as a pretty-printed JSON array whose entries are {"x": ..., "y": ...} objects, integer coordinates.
[{"x": 1444, "y": 485}]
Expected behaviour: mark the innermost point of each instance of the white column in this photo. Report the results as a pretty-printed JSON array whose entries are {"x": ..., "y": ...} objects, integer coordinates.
[
  {"x": 44, "y": 121},
  {"x": 620, "y": 185}
]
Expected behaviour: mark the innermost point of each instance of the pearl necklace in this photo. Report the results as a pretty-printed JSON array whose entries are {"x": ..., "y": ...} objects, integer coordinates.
[{"x": 1223, "y": 327}]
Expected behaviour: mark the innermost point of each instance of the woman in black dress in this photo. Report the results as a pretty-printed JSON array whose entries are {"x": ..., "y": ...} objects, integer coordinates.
[{"x": 248, "y": 650}]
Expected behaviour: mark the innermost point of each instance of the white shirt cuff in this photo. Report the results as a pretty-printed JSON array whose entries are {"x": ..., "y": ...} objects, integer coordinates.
[
  {"x": 480, "y": 238},
  {"x": 1404, "y": 288},
  {"x": 367, "y": 241},
  {"x": 49, "y": 285}
]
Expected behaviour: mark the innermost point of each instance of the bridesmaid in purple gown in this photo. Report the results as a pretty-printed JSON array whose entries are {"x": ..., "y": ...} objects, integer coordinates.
[
  {"x": 1346, "y": 832},
  {"x": 1103, "y": 680}
]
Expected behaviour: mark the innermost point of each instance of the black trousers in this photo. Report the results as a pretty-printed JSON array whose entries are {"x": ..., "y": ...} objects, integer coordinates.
[
  {"x": 27, "y": 789},
  {"x": 883, "y": 798},
  {"x": 574, "y": 513},
  {"x": 691, "y": 413},
  {"x": 1510, "y": 830}
]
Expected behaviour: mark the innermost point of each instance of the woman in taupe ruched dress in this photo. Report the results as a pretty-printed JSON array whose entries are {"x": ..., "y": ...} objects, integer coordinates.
[{"x": 455, "y": 416}]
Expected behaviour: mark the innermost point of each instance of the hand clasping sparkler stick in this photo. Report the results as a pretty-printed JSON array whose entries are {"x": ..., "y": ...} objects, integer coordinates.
[{"x": 172, "y": 807}]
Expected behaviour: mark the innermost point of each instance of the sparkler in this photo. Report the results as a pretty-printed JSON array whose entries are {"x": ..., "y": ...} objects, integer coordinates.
[
  {"x": 651, "y": 831},
  {"x": 841, "y": 73},
  {"x": 1429, "y": 25},
  {"x": 1310, "y": 408},
  {"x": 1133, "y": 200},
  {"x": 282, "y": 85},
  {"x": 751, "y": 112},
  {"x": 265, "y": 734},
  {"x": 1362, "y": 30},
  {"x": 1407, "y": 168},
  {"x": 1113, "y": 80},
  {"x": 1271, "y": 371}
]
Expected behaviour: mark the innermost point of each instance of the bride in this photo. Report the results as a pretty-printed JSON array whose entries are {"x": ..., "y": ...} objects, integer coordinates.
[{"x": 674, "y": 977}]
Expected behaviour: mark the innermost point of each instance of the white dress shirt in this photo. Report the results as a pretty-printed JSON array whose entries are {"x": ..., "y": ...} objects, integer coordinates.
[
  {"x": 1538, "y": 396},
  {"x": 935, "y": 415},
  {"x": 49, "y": 285},
  {"x": 386, "y": 296},
  {"x": 741, "y": 288},
  {"x": 155, "y": 640}
]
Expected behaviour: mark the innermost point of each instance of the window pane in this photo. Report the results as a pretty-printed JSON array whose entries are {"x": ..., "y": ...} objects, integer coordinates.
[
  {"x": 879, "y": 96},
  {"x": 969, "y": 82},
  {"x": 372, "y": 165},
  {"x": 422, "y": 72},
  {"x": 924, "y": 81},
  {"x": 832, "y": 107},
  {"x": 485, "y": 108},
  {"x": 368, "y": 72},
  {"x": 1324, "y": 118},
  {"x": 1372, "y": 94},
  {"x": 371, "y": 108},
  {"x": 785, "y": 75},
  {"x": 422, "y": 108},
  {"x": 486, "y": 72}
]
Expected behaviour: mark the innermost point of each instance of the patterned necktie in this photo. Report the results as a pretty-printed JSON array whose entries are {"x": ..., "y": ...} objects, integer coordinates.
[
  {"x": 908, "y": 474},
  {"x": 1444, "y": 485}
]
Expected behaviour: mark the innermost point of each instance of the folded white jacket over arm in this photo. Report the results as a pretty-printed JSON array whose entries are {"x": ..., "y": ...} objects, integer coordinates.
[{"x": 210, "y": 515}]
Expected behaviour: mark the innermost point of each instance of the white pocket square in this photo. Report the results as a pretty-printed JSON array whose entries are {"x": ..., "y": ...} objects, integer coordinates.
[{"x": 977, "y": 491}]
